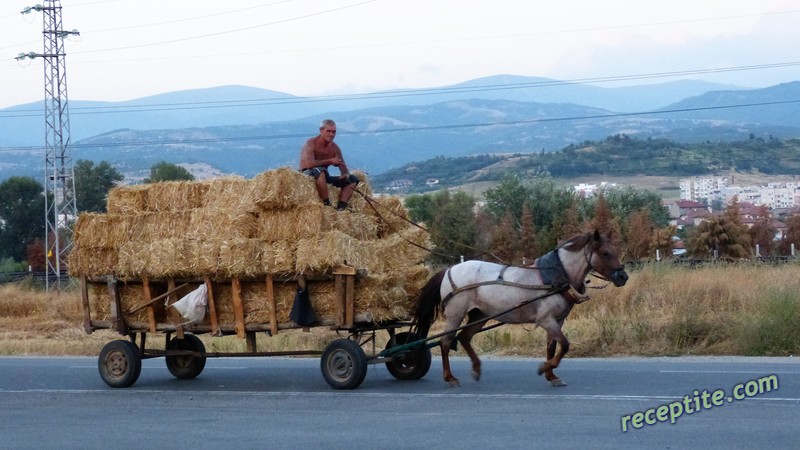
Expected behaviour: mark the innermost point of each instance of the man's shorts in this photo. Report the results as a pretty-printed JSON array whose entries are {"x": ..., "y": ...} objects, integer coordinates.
[{"x": 335, "y": 181}]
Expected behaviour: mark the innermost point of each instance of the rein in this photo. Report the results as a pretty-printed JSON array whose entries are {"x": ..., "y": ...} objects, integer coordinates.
[{"x": 370, "y": 201}]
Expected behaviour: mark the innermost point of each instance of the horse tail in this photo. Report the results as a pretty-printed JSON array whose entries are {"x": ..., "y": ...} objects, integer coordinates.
[{"x": 426, "y": 309}]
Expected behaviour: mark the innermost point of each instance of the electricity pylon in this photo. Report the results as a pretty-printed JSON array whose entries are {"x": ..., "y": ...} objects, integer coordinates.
[{"x": 59, "y": 180}]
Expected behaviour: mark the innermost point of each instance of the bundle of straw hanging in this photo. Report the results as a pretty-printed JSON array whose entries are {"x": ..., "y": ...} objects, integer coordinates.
[{"x": 274, "y": 224}]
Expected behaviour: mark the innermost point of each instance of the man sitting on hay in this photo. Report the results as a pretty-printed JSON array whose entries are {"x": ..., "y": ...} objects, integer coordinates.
[{"x": 320, "y": 152}]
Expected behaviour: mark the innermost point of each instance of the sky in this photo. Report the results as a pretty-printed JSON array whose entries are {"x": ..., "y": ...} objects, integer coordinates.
[{"x": 129, "y": 49}]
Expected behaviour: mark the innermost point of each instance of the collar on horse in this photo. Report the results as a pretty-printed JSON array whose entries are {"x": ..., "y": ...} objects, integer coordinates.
[{"x": 551, "y": 270}]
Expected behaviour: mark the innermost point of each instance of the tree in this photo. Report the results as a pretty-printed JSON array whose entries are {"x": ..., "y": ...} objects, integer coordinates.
[
  {"x": 509, "y": 195},
  {"x": 22, "y": 215},
  {"x": 92, "y": 184},
  {"x": 722, "y": 234},
  {"x": 420, "y": 208},
  {"x": 602, "y": 217},
  {"x": 662, "y": 241},
  {"x": 624, "y": 201},
  {"x": 527, "y": 235},
  {"x": 792, "y": 236},
  {"x": 640, "y": 236},
  {"x": 453, "y": 229},
  {"x": 763, "y": 231},
  {"x": 164, "y": 171},
  {"x": 564, "y": 225},
  {"x": 504, "y": 240}
]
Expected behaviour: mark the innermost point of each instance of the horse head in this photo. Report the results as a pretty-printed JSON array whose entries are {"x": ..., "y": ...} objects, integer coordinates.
[{"x": 604, "y": 259}]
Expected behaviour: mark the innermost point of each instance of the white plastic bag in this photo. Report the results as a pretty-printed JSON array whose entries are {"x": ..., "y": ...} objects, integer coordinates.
[{"x": 193, "y": 305}]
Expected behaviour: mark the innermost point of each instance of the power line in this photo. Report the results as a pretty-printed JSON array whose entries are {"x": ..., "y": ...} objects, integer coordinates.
[
  {"x": 143, "y": 143},
  {"x": 387, "y": 94},
  {"x": 220, "y": 33},
  {"x": 188, "y": 19}
]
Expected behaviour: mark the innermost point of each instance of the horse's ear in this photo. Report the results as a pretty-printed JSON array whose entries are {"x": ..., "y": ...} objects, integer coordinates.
[{"x": 596, "y": 235}]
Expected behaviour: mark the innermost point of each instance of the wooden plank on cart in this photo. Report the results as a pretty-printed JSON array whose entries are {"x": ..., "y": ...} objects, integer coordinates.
[
  {"x": 212, "y": 309},
  {"x": 251, "y": 342},
  {"x": 176, "y": 316},
  {"x": 238, "y": 307},
  {"x": 116, "y": 307},
  {"x": 273, "y": 307},
  {"x": 151, "y": 313},
  {"x": 87, "y": 316},
  {"x": 350, "y": 309},
  {"x": 155, "y": 299},
  {"x": 344, "y": 277}
]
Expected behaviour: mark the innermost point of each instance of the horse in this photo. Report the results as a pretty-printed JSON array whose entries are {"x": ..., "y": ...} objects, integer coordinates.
[{"x": 543, "y": 293}]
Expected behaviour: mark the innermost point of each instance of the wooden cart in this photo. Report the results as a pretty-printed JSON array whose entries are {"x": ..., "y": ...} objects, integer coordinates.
[{"x": 343, "y": 361}]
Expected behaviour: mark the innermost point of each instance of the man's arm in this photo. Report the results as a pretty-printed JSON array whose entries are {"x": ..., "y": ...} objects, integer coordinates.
[{"x": 343, "y": 170}]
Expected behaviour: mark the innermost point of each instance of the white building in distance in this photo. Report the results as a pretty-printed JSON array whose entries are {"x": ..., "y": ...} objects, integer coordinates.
[{"x": 773, "y": 195}]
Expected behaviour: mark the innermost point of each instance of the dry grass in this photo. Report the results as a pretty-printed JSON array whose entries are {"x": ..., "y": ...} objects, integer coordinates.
[{"x": 663, "y": 310}]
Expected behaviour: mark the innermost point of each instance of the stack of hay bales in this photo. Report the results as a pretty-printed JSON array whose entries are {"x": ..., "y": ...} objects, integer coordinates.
[{"x": 232, "y": 227}]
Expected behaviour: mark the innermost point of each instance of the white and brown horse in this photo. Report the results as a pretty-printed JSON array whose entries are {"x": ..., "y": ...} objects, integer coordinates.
[{"x": 543, "y": 293}]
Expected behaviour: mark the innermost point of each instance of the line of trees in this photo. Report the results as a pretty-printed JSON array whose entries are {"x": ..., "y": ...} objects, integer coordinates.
[{"x": 524, "y": 219}]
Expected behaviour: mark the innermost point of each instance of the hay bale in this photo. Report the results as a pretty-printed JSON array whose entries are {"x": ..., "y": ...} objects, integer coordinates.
[
  {"x": 240, "y": 258},
  {"x": 165, "y": 258},
  {"x": 232, "y": 192},
  {"x": 127, "y": 199},
  {"x": 89, "y": 261},
  {"x": 221, "y": 223},
  {"x": 175, "y": 196},
  {"x": 360, "y": 226},
  {"x": 152, "y": 226},
  {"x": 284, "y": 188},
  {"x": 330, "y": 249},
  {"x": 389, "y": 213},
  {"x": 100, "y": 230},
  {"x": 292, "y": 224},
  {"x": 277, "y": 258}
]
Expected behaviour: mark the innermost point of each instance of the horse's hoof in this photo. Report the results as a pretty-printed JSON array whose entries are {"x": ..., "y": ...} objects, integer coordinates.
[
  {"x": 557, "y": 383},
  {"x": 542, "y": 368},
  {"x": 476, "y": 376},
  {"x": 454, "y": 383}
]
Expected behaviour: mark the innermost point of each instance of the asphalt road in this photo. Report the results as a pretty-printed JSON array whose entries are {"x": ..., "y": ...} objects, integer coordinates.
[{"x": 284, "y": 403}]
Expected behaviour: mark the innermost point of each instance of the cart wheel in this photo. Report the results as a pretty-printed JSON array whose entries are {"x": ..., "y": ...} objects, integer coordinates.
[
  {"x": 344, "y": 364},
  {"x": 411, "y": 365},
  {"x": 186, "y": 366},
  {"x": 120, "y": 363}
]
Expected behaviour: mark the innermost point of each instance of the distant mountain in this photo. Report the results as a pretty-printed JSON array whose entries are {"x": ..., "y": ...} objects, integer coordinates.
[
  {"x": 614, "y": 156},
  {"x": 23, "y": 125},
  {"x": 776, "y": 105},
  {"x": 379, "y": 138}
]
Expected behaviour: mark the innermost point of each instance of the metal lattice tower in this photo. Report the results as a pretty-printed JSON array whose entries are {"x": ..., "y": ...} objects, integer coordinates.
[{"x": 60, "y": 207}]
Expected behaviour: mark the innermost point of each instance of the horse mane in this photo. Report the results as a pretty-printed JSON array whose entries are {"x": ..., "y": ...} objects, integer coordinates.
[
  {"x": 581, "y": 240},
  {"x": 427, "y": 304}
]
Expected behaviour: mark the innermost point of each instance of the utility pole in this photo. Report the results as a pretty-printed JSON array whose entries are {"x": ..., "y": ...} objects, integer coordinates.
[{"x": 59, "y": 180}]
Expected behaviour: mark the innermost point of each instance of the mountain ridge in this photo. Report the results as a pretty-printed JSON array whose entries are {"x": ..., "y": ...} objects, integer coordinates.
[{"x": 379, "y": 138}]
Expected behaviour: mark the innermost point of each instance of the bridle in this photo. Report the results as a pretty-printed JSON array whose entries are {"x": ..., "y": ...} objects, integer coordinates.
[{"x": 615, "y": 272}]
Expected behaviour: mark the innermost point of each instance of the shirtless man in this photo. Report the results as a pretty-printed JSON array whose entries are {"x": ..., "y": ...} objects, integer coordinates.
[{"x": 320, "y": 152}]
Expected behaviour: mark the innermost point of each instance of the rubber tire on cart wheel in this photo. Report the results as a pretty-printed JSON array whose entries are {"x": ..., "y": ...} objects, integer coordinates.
[
  {"x": 344, "y": 364},
  {"x": 411, "y": 365},
  {"x": 186, "y": 367},
  {"x": 120, "y": 363}
]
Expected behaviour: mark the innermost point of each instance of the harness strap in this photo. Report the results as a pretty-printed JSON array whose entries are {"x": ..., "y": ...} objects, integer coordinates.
[
  {"x": 563, "y": 287},
  {"x": 572, "y": 294},
  {"x": 499, "y": 281}
]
